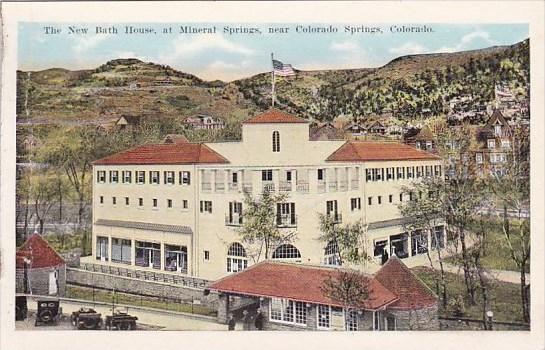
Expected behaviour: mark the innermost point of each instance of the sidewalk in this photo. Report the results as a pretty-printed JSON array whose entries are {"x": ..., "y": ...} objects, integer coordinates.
[{"x": 500, "y": 275}]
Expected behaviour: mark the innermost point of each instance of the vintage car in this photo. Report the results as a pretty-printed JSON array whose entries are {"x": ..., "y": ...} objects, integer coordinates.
[{"x": 86, "y": 318}]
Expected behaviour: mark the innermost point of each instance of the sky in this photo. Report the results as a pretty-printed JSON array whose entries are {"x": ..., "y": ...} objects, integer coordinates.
[{"x": 228, "y": 57}]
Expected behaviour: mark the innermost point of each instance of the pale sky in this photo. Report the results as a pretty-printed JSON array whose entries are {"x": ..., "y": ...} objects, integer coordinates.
[{"x": 228, "y": 57}]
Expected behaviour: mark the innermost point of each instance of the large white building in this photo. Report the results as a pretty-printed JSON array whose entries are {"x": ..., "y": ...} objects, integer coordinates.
[{"x": 177, "y": 206}]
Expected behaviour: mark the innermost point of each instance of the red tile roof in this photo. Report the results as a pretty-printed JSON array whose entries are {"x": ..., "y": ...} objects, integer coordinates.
[
  {"x": 411, "y": 291},
  {"x": 274, "y": 115},
  {"x": 296, "y": 282},
  {"x": 169, "y": 153},
  {"x": 354, "y": 151},
  {"x": 39, "y": 252}
]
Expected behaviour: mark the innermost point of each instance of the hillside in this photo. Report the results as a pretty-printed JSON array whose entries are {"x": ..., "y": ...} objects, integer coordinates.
[{"x": 402, "y": 88}]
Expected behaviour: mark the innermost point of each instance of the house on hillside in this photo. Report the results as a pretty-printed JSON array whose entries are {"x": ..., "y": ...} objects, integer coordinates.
[
  {"x": 495, "y": 145},
  {"x": 326, "y": 131},
  {"x": 292, "y": 297},
  {"x": 126, "y": 122},
  {"x": 39, "y": 268},
  {"x": 204, "y": 121},
  {"x": 421, "y": 139}
]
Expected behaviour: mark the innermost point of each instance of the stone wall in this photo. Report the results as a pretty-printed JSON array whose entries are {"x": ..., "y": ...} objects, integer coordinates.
[
  {"x": 38, "y": 280},
  {"x": 420, "y": 319},
  {"x": 140, "y": 287}
]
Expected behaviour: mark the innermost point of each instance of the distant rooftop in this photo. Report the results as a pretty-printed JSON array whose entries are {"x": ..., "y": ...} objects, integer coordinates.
[
  {"x": 274, "y": 115},
  {"x": 376, "y": 151}
]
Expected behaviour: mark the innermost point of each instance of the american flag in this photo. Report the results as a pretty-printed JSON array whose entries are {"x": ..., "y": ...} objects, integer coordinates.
[{"x": 281, "y": 69}]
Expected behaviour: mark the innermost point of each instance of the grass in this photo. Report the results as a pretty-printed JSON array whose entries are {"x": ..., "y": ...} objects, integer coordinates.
[
  {"x": 85, "y": 293},
  {"x": 497, "y": 254},
  {"x": 504, "y": 297}
]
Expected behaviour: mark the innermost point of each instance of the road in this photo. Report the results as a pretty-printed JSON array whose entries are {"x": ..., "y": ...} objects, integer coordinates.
[{"x": 161, "y": 319}]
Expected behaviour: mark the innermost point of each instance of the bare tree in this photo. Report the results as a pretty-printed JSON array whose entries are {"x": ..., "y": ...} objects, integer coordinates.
[{"x": 44, "y": 196}]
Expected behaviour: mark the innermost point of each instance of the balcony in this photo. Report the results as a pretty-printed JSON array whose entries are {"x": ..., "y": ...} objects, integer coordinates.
[
  {"x": 268, "y": 186},
  {"x": 354, "y": 184},
  {"x": 206, "y": 187},
  {"x": 232, "y": 187},
  {"x": 332, "y": 186},
  {"x": 219, "y": 187},
  {"x": 286, "y": 220},
  {"x": 247, "y": 187},
  {"x": 233, "y": 220},
  {"x": 343, "y": 186},
  {"x": 302, "y": 186},
  {"x": 284, "y": 186},
  {"x": 321, "y": 187},
  {"x": 336, "y": 218}
]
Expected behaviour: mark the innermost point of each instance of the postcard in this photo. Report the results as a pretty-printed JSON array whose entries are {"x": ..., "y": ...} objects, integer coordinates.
[{"x": 246, "y": 174}]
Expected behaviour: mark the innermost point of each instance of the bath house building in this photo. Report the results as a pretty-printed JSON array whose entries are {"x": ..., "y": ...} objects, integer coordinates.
[{"x": 177, "y": 207}]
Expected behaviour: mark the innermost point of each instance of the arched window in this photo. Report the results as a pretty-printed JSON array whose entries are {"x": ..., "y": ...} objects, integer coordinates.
[
  {"x": 331, "y": 254},
  {"x": 276, "y": 141},
  {"x": 286, "y": 251},
  {"x": 236, "y": 258}
]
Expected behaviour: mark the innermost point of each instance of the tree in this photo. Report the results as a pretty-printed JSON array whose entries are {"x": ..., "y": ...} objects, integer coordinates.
[
  {"x": 513, "y": 193},
  {"x": 43, "y": 193},
  {"x": 425, "y": 213},
  {"x": 259, "y": 228}
]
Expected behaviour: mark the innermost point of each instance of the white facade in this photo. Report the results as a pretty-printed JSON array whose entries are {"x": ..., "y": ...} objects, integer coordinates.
[{"x": 201, "y": 215}]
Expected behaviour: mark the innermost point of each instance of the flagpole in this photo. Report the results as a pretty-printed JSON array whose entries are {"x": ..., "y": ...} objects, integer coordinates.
[{"x": 272, "y": 91}]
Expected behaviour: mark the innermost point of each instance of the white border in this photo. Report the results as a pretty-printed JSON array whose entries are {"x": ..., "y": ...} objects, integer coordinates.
[{"x": 356, "y": 12}]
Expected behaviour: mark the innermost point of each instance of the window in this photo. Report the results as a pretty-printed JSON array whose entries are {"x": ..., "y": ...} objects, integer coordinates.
[
  {"x": 438, "y": 237},
  {"x": 479, "y": 158},
  {"x": 428, "y": 170},
  {"x": 101, "y": 176},
  {"x": 355, "y": 203},
  {"x": 321, "y": 174},
  {"x": 141, "y": 202},
  {"x": 376, "y": 321},
  {"x": 437, "y": 170},
  {"x": 390, "y": 198},
  {"x": 154, "y": 177},
  {"x": 175, "y": 258},
  {"x": 286, "y": 251},
  {"x": 379, "y": 199},
  {"x": 324, "y": 316},
  {"x": 370, "y": 200},
  {"x": 352, "y": 320},
  {"x": 121, "y": 250},
  {"x": 127, "y": 176},
  {"x": 401, "y": 197},
  {"x": 505, "y": 143},
  {"x": 285, "y": 214},
  {"x": 147, "y": 254},
  {"x": 169, "y": 203},
  {"x": 154, "y": 201},
  {"x": 140, "y": 177},
  {"x": 410, "y": 172},
  {"x": 114, "y": 200},
  {"x": 379, "y": 247},
  {"x": 379, "y": 174},
  {"x": 206, "y": 206},
  {"x": 497, "y": 130},
  {"x": 331, "y": 254},
  {"x": 368, "y": 175},
  {"x": 390, "y": 173},
  {"x": 236, "y": 258},
  {"x": 206, "y": 255},
  {"x": 185, "y": 204},
  {"x": 126, "y": 200},
  {"x": 288, "y": 311},
  {"x": 114, "y": 176},
  {"x": 331, "y": 208},
  {"x": 266, "y": 175},
  {"x": 185, "y": 178},
  {"x": 102, "y": 248},
  {"x": 101, "y": 199},
  {"x": 491, "y": 143},
  {"x": 390, "y": 323},
  {"x": 400, "y": 172},
  {"x": 168, "y": 177},
  {"x": 234, "y": 178},
  {"x": 276, "y": 141},
  {"x": 418, "y": 172}
]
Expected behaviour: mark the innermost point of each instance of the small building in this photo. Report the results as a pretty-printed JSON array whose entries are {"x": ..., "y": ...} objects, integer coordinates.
[
  {"x": 204, "y": 121},
  {"x": 325, "y": 132},
  {"x": 127, "y": 121},
  {"x": 495, "y": 141},
  {"x": 291, "y": 297},
  {"x": 422, "y": 139},
  {"x": 39, "y": 268}
]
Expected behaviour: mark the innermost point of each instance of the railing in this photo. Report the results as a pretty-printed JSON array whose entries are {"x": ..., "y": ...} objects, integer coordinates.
[
  {"x": 286, "y": 220},
  {"x": 233, "y": 187},
  {"x": 247, "y": 187},
  {"x": 337, "y": 218},
  {"x": 284, "y": 186},
  {"x": 354, "y": 184},
  {"x": 302, "y": 186},
  {"x": 333, "y": 186},
  {"x": 233, "y": 220},
  {"x": 343, "y": 185},
  {"x": 321, "y": 187},
  {"x": 206, "y": 187},
  {"x": 268, "y": 186},
  {"x": 219, "y": 187},
  {"x": 170, "y": 278}
]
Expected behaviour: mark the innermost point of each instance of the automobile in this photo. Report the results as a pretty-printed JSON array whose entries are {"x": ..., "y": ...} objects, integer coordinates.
[
  {"x": 120, "y": 321},
  {"x": 86, "y": 318}
]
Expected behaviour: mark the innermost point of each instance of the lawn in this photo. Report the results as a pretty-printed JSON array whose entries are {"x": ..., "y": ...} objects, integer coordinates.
[
  {"x": 504, "y": 297},
  {"x": 129, "y": 299},
  {"x": 497, "y": 254}
]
